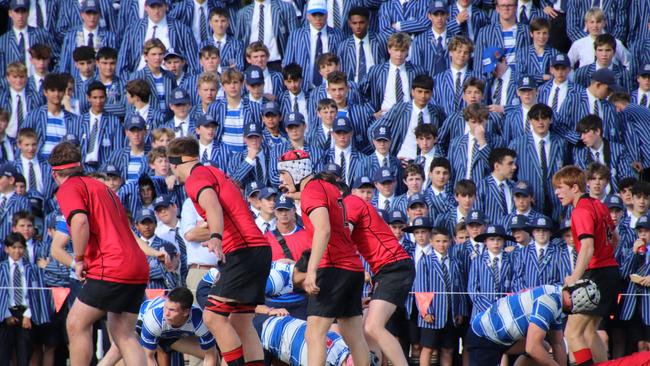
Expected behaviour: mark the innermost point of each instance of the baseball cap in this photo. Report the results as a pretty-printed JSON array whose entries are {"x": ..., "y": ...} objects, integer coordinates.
[
  {"x": 254, "y": 75},
  {"x": 172, "y": 52},
  {"x": 164, "y": 200},
  {"x": 294, "y": 119},
  {"x": 145, "y": 214},
  {"x": 518, "y": 222},
  {"x": 342, "y": 124},
  {"x": 416, "y": 198},
  {"x": 154, "y": 2},
  {"x": 522, "y": 188},
  {"x": 267, "y": 192},
  {"x": 179, "y": 96},
  {"x": 71, "y": 138},
  {"x": 317, "y": 6},
  {"x": 565, "y": 226},
  {"x": 614, "y": 201},
  {"x": 252, "y": 187},
  {"x": 643, "y": 222},
  {"x": 271, "y": 107},
  {"x": 645, "y": 70},
  {"x": 112, "y": 170},
  {"x": 491, "y": 57},
  {"x": 492, "y": 231},
  {"x": 135, "y": 122},
  {"x": 396, "y": 216},
  {"x": 8, "y": 170},
  {"x": 437, "y": 6},
  {"x": 420, "y": 222},
  {"x": 251, "y": 129},
  {"x": 526, "y": 83},
  {"x": 205, "y": 119},
  {"x": 88, "y": 6},
  {"x": 19, "y": 4},
  {"x": 541, "y": 222},
  {"x": 359, "y": 182},
  {"x": 606, "y": 76},
  {"x": 560, "y": 60},
  {"x": 383, "y": 175},
  {"x": 475, "y": 217},
  {"x": 284, "y": 203},
  {"x": 333, "y": 169},
  {"x": 381, "y": 133}
]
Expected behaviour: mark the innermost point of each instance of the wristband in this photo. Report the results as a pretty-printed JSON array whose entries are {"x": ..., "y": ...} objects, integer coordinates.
[{"x": 216, "y": 236}]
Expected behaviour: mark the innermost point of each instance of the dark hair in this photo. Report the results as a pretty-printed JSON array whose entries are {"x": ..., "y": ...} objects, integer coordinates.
[
  {"x": 475, "y": 82},
  {"x": 181, "y": 295},
  {"x": 413, "y": 169},
  {"x": 539, "y": 24},
  {"x": 65, "y": 153},
  {"x": 40, "y": 51},
  {"x": 423, "y": 82},
  {"x": 95, "y": 85},
  {"x": 303, "y": 261},
  {"x": 106, "y": 52},
  {"x": 139, "y": 88},
  {"x": 476, "y": 111},
  {"x": 83, "y": 53},
  {"x": 209, "y": 50},
  {"x": 626, "y": 183},
  {"x": 357, "y": 10},
  {"x": 440, "y": 162},
  {"x": 15, "y": 238},
  {"x": 540, "y": 111},
  {"x": 588, "y": 123},
  {"x": 605, "y": 39},
  {"x": 183, "y": 146},
  {"x": 620, "y": 96},
  {"x": 22, "y": 215},
  {"x": 440, "y": 230},
  {"x": 601, "y": 170},
  {"x": 327, "y": 58},
  {"x": 641, "y": 188},
  {"x": 498, "y": 154},
  {"x": 292, "y": 71},
  {"x": 328, "y": 177},
  {"x": 54, "y": 81},
  {"x": 337, "y": 77},
  {"x": 219, "y": 11},
  {"x": 465, "y": 187},
  {"x": 426, "y": 129}
]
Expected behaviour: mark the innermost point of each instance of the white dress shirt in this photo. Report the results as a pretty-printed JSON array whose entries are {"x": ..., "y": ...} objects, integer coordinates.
[
  {"x": 439, "y": 256},
  {"x": 640, "y": 94},
  {"x": 600, "y": 158},
  {"x": 459, "y": 216},
  {"x": 380, "y": 159},
  {"x": 381, "y": 201},
  {"x": 184, "y": 125},
  {"x": 162, "y": 33},
  {"x": 31, "y": 19},
  {"x": 499, "y": 261},
  {"x": 327, "y": 131},
  {"x": 564, "y": 90},
  {"x": 370, "y": 59},
  {"x": 592, "y": 98},
  {"x": 389, "y": 94},
  {"x": 539, "y": 247},
  {"x": 144, "y": 111},
  {"x": 264, "y": 225},
  {"x": 25, "y": 34},
  {"x": 24, "y": 301},
  {"x": 37, "y": 171},
  {"x": 196, "y": 253},
  {"x": 269, "y": 35},
  {"x": 428, "y": 159},
  {"x": 507, "y": 79},
  {"x": 583, "y": 51},
  {"x": 420, "y": 251},
  {"x": 93, "y": 156},
  {"x": 470, "y": 157},
  {"x": 196, "y": 22},
  {"x": 87, "y": 33},
  {"x": 260, "y": 156},
  {"x": 409, "y": 145},
  {"x": 12, "y": 128},
  {"x": 168, "y": 233},
  {"x": 313, "y": 37},
  {"x": 509, "y": 201},
  {"x": 141, "y": 8},
  {"x": 528, "y": 5},
  {"x": 547, "y": 147}
]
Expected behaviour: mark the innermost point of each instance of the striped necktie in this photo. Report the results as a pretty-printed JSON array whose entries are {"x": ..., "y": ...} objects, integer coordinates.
[
  {"x": 574, "y": 257},
  {"x": 556, "y": 99},
  {"x": 94, "y": 133},
  {"x": 644, "y": 100},
  {"x": 596, "y": 108},
  {"x": 361, "y": 73},
  {"x": 204, "y": 157},
  {"x": 523, "y": 17},
  {"x": 317, "y": 79},
  {"x": 260, "y": 25},
  {"x": 3, "y": 202},
  {"x": 399, "y": 87},
  {"x": 336, "y": 9},
  {"x": 18, "y": 285},
  {"x": 295, "y": 104},
  {"x": 203, "y": 24},
  {"x": 458, "y": 87},
  {"x": 20, "y": 117},
  {"x": 502, "y": 197},
  {"x": 259, "y": 172},
  {"x": 153, "y": 34},
  {"x": 26, "y": 256},
  {"x": 496, "y": 274},
  {"x": 540, "y": 256},
  {"x": 343, "y": 167},
  {"x": 32, "y": 176},
  {"x": 446, "y": 279},
  {"x": 91, "y": 41},
  {"x": 39, "y": 15},
  {"x": 497, "y": 92},
  {"x": 21, "y": 46}
]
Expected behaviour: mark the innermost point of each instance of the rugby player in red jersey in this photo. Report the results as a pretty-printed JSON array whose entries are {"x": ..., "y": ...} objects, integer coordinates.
[
  {"x": 393, "y": 271},
  {"x": 335, "y": 275},
  {"x": 595, "y": 238},
  {"x": 106, "y": 257},
  {"x": 239, "y": 245}
]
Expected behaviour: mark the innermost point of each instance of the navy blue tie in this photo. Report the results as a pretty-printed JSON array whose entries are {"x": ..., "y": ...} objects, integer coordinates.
[
  {"x": 317, "y": 78},
  {"x": 361, "y": 74}
]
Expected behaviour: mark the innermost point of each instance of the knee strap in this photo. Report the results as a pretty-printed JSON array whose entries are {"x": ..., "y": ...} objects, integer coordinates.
[{"x": 227, "y": 308}]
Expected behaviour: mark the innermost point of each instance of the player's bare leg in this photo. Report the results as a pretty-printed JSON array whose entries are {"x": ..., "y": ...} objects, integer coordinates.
[
  {"x": 581, "y": 334},
  {"x": 316, "y": 339},
  {"x": 597, "y": 344},
  {"x": 379, "y": 312},
  {"x": 352, "y": 332},
  {"x": 243, "y": 324},
  {"x": 122, "y": 328},
  {"x": 111, "y": 357},
  {"x": 79, "y": 325}
]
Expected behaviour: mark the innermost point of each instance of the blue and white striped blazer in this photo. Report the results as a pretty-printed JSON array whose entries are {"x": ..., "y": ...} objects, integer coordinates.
[
  {"x": 110, "y": 137},
  {"x": 129, "y": 193},
  {"x": 616, "y": 158},
  {"x": 283, "y": 22},
  {"x": 129, "y": 14},
  {"x": 37, "y": 119},
  {"x": 582, "y": 76},
  {"x": 491, "y": 35},
  {"x": 544, "y": 93},
  {"x": 534, "y": 65},
  {"x": 183, "y": 11},
  {"x": 159, "y": 276},
  {"x": 458, "y": 159},
  {"x": 411, "y": 17},
  {"x": 636, "y": 264},
  {"x": 120, "y": 159},
  {"x": 401, "y": 203},
  {"x": 532, "y": 215},
  {"x": 374, "y": 87},
  {"x": 482, "y": 284},
  {"x": 155, "y": 118},
  {"x": 513, "y": 122},
  {"x": 46, "y": 176},
  {"x": 287, "y": 107},
  {"x": 638, "y": 24},
  {"x": 232, "y": 52},
  {"x": 616, "y": 16},
  {"x": 478, "y": 20},
  {"x": 488, "y": 198},
  {"x": 348, "y": 54},
  {"x": 75, "y": 38},
  {"x": 243, "y": 172},
  {"x": 251, "y": 112},
  {"x": 426, "y": 54},
  {"x": 394, "y": 165},
  {"x": 577, "y": 107},
  {"x": 70, "y": 16},
  {"x": 359, "y": 164},
  {"x": 444, "y": 88},
  {"x": 320, "y": 92},
  {"x": 40, "y": 301},
  {"x": 440, "y": 203},
  {"x": 529, "y": 272},
  {"x": 11, "y": 53},
  {"x": 14, "y": 204},
  {"x": 169, "y": 81},
  {"x": 33, "y": 99},
  {"x": 637, "y": 125}
]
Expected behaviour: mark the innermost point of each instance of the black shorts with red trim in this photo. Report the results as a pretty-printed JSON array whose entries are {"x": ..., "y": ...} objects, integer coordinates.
[
  {"x": 112, "y": 296},
  {"x": 242, "y": 277},
  {"x": 608, "y": 281},
  {"x": 339, "y": 295},
  {"x": 393, "y": 282}
]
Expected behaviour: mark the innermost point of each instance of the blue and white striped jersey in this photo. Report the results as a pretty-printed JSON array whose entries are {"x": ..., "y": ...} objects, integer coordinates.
[
  {"x": 507, "y": 320},
  {"x": 154, "y": 326},
  {"x": 279, "y": 285},
  {"x": 284, "y": 338}
]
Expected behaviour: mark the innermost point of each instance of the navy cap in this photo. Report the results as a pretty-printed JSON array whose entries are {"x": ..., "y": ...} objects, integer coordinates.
[
  {"x": 71, "y": 138},
  {"x": 19, "y": 4},
  {"x": 416, "y": 198},
  {"x": 359, "y": 182},
  {"x": 565, "y": 226},
  {"x": 267, "y": 192},
  {"x": 541, "y": 222},
  {"x": 172, "y": 52},
  {"x": 491, "y": 57},
  {"x": 135, "y": 122},
  {"x": 205, "y": 119},
  {"x": 342, "y": 124},
  {"x": 252, "y": 129},
  {"x": 252, "y": 187},
  {"x": 155, "y": 2},
  {"x": 383, "y": 175},
  {"x": 112, "y": 170},
  {"x": 294, "y": 119},
  {"x": 437, "y": 6},
  {"x": 606, "y": 76},
  {"x": 420, "y": 222},
  {"x": 396, "y": 216},
  {"x": 333, "y": 169},
  {"x": 494, "y": 231},
  {"x": 254, "y": 75},
  {"x": 381, "y": 133},
  {"x": 526, "y": 83},
  {"x": 614, "y": 201},
  {"x": 145, "y": 214},
  {"x": 643, "y": 222},
  {"x": 179, "y": 96},
  {"x": 522, "y": 188},
  {"x": 475, "y": 217},
  {"x": 164, "y": 200},
  {"x": 8, "y": 170},
  {"x": 645, "y": 70},
  {"x": 271, "y": 107},
  {"x": 560, "y": 60},
  {"x": 284, "y": 203},
  {"x": 518, "y": 222},
  {"x": 89, "y": 6}
]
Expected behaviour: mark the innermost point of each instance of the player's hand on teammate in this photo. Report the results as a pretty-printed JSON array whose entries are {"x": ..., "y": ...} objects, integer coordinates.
[
  {"x": 570, "y": 280},
  {"x": 310, "y": 283},
  {"x": 279, "y": 312},
  {"x": 214, "y": 246}
]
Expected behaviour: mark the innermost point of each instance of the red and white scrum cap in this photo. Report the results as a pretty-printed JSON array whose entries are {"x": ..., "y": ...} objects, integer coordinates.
[{"x": 297, "y": 163}]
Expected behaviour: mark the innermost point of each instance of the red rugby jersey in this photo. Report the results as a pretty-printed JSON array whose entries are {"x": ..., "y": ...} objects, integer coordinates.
[{"x": 590, "y": 219}]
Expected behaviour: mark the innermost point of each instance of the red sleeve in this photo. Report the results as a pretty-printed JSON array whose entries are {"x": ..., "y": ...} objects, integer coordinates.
[
  {"x": 72, "y": 200},
  {"x": 354, "y": 210},
  {"x": 582, "y": 223},
  {"x": 313, "y": 197},
  {"x": 195, "y": 185}
]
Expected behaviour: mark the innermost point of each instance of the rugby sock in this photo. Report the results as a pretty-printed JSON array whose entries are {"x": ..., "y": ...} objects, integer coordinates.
[
  {"x": 234, "y": 357},
  {"x": 255, "y": 363},
  {"x": 583, "y": 357}
]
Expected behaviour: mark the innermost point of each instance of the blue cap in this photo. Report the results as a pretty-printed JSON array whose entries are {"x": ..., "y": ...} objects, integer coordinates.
[
  {"x": 518, "y": 222},
  {"x": 645, "y": 70},
  {"x": 526, "y": 82},
  {"x": 565, "y": 226},
  {"x": 135, "y": 122},
  {"x": 254, "y": 75},
  {"x": 172, "y": 52},
  {"x": 205, "y": 119},
  {"x": 333, "y": 169},
  {"x": 643, "y": 222},
  {"x": 541, "y": 222},
  {"x": 560, "y": 60},
  {"x": 342, "y": 124},
  {"x": 416, "y": 198},
  {"x": 163, "y": 200},
  {"x": 252, "y": 129},
  {"x": 8, "y": 170},
  {"x": 89, "y": 6},
  {"x": 437, "y": 6},
  {"x": 267, "y": 192},
  {"x": 381, "y": 133},
  {"x": 179, "y": 96},
  {"x": 420, "y": 222},
  {"x": 154, "y": 2},
  {"x": 271, "y": 107},
  {"x": 294, "y": 119},
  {"x": 607, "y": 77},
  {"x": 614, "y": 201},
  {"x": 475, "y": 217},
  {"x": 145, "y": 214},
  {"x": 361, "y": 181},
  {"x": 71, "y": 138},
  {"x": 317, "y": 6},
  {"x": 491, "y": 57},
  {"x": 252, "y": 187},
  {"x": 284, "y": 203},
  {"x": 522, "y": 188},
  {"x": 19, "y": 4},
  {"x": 396, "y": 216},
  {"x": 111, "y": 169},
  {"x": 383, "y": 175},
  {"x": 494, "y": 231}
]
